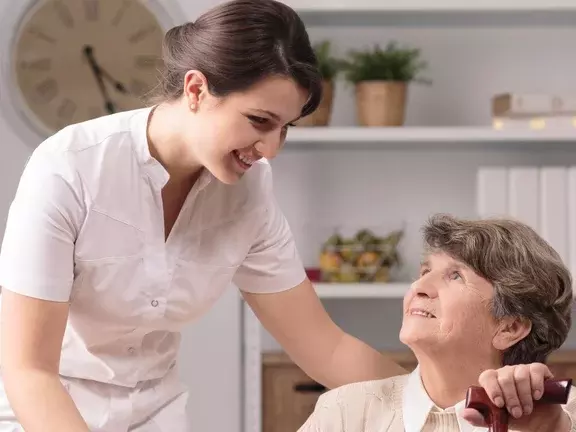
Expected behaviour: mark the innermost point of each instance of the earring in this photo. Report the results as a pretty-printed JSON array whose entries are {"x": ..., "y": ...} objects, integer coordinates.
[{"x": 193, "y": 106}]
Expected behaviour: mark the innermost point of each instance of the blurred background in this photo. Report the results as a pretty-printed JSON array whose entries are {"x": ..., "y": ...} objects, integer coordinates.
[{"x": 446, "y": 106}]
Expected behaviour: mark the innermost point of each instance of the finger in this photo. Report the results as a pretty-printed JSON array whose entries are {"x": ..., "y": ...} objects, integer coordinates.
[
  {"x": 538, "y": 374},
  {"x": 509, "y": 391},
  {"x": 474, "y": 417},
  {"x": 523, "y": 379},
  {"x": 489, "y": 381}
]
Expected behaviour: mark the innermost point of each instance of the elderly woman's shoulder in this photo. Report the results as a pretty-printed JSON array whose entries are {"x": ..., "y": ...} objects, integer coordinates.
[
  {"x": 388, "y": 391},
  {"x": 354, "y": 406}
]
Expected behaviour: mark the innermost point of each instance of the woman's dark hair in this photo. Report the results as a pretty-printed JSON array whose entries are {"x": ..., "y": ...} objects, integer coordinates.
[{"x": 238, "y": 43}]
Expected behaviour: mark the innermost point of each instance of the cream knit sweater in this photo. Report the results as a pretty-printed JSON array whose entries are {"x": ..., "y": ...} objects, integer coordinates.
[{"x": 376, "y": 406}]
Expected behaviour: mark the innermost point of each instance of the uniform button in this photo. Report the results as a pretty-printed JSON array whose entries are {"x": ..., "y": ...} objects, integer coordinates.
[
  {"x": 131, "y": 350},
  {"x": 154, "y": 303}
]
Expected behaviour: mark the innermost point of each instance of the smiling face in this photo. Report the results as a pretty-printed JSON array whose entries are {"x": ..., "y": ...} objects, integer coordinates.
[
  {"x": 448, "y": 309},
  {"x": 227, "y": 135}
]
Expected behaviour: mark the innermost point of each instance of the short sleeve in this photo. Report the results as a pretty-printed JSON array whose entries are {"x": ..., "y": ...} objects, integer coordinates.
[
  {"x": 273, "y": 263},
  {"x": 37, "y": 254}
]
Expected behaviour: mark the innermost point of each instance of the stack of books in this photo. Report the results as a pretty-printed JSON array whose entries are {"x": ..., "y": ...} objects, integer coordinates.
[{"x": 533, "y": 112}]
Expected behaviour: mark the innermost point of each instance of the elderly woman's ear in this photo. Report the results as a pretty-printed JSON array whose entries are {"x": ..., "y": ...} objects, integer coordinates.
[{"x": 510, "y": 331}]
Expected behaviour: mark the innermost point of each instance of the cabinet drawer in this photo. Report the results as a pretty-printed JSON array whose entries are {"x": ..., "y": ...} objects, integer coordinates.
[{"x": 288, "y": 397}]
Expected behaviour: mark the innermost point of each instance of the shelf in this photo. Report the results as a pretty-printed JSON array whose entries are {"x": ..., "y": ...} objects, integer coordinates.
[
  {"x": 443, "y": 13},
  {"x": 460, "y": 19},
  {"x": 280, "y": 358},
  {"x": 428, "y": 6},
  {"x": 428, "y": 137},
  {"x": 362, "y": 290}
]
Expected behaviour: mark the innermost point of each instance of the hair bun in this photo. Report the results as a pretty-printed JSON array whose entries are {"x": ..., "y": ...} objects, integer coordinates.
[
  {"x": 175, "y": 42},
  {"x": 238, "y": 43}
]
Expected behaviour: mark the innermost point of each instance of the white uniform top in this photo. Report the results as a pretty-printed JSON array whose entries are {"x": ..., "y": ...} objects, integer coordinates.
[{"x": 86, "y": 226}]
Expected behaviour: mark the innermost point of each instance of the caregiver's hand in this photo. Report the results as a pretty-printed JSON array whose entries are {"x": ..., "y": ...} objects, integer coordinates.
[{"x": 516, "y": 388}]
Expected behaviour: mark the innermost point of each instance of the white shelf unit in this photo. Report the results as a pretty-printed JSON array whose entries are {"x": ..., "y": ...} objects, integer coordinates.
[
  {"x": 362, "y": 290},
  {"x": 428, "y": 6},
  {"x": 446, "y": 12},
  {"x": 429, "y": 136}
]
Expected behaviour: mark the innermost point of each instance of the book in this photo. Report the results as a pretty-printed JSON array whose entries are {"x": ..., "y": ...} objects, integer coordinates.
[{"x": 519, "y": 105}]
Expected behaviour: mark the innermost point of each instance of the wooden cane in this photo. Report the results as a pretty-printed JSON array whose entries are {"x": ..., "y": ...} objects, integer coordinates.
[{"x": 555, "y": 392}]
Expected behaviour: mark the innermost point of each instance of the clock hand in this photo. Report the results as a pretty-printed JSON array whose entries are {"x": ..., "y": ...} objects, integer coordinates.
[
  {"x": 117, "y": 84},
  {"x": 89, "y": 54},
  {"x": 103, "y": 73}
]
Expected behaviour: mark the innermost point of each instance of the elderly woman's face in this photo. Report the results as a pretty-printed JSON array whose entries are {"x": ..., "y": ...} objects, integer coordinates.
[{"x": 448, "y": 308}]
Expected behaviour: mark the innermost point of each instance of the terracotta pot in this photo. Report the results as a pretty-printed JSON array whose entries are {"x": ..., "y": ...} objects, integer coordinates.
[
  {"x": 321, "y": 117},
  {"x": 381, "y": 103}
]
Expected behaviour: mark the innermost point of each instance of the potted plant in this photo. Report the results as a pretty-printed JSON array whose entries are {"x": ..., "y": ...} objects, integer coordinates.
[
  {"x": 381, "y": 78},
  {"x": 329, "y": 67}
]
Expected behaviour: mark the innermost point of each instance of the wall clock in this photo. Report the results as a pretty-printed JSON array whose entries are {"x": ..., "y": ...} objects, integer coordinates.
[{"x": 74, "y": 60}]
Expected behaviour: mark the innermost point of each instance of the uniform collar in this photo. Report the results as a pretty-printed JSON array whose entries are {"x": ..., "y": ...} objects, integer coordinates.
[
  {"x": 416, "y": 405},
  {"x": 154, "y": 169}
]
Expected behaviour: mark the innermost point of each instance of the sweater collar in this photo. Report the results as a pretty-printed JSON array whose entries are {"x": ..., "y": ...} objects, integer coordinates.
[{"x": 417, "y": 405}]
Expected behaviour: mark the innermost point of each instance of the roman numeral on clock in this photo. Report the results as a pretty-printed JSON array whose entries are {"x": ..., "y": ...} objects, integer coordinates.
[
  {"x": 66, "y": 109},
  {"x": 64, "y": 14},
  {"x": 39, "y": 65},
  {"x": 47, "y": 90},
  {"x": 92, "y": 10}
]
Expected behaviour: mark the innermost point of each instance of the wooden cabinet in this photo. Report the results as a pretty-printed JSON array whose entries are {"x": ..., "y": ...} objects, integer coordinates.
[
  {"x": 289, "y": 395},
  {"x": 563, "y": 365}
]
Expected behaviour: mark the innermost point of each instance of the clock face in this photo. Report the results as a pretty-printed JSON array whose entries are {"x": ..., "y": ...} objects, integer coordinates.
[{"x": 75, "y": 60}]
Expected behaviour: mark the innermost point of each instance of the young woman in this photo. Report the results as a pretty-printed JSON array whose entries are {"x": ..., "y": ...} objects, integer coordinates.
[{"x": 129, "y": 226}]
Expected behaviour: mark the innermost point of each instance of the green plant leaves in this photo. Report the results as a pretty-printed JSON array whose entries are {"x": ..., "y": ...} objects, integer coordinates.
[
  {"x": 390, "y": 64},
  {"x": 328, "y": 65},
  {"x": 393, "y": 63}
]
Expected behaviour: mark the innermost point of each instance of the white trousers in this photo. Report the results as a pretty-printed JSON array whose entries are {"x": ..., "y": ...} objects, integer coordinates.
[{"x": 153, "y": 406}]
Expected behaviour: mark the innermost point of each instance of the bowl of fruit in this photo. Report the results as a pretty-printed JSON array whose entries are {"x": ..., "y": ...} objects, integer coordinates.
[{"x": 364, "y": 257}]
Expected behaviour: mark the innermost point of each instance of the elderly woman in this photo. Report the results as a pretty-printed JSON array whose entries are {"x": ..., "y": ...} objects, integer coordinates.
[{"x": 493, "y": 299}]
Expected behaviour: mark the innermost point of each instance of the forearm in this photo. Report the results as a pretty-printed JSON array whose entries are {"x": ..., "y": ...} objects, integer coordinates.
[
  {"x": 41, "y": 403},
  {"x": 297, "y": 319},
  {"x": 353, "y": 361}
]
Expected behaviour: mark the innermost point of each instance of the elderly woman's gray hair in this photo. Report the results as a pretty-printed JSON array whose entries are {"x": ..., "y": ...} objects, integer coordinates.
[{"x": 529, "y": 279}]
